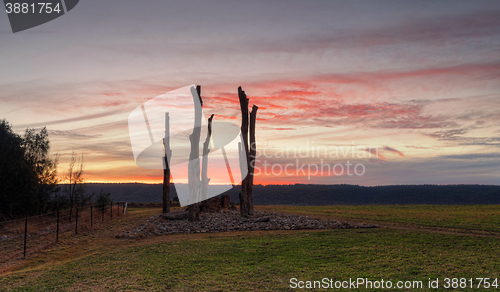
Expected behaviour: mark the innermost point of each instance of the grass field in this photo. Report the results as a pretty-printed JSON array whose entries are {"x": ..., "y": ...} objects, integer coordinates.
[
  {"x": 473, "y": 217},
  {"x": 266, "y": 261}
]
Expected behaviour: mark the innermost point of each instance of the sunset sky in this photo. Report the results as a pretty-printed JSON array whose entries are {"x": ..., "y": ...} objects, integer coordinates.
[{"x": 417, "y": 80}]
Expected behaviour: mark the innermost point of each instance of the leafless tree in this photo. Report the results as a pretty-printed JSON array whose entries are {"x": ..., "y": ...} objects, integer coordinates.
[
  {"x": 247, "y": 159},
  {"x": 251, "y": 163},
  {"x": 166, "y": 168},
  {"x": 244, "y": 155},
  {"x": 75, "y": 183},
  {"x": 194, "y": 158},
  {"x": 204, "y": 167}
]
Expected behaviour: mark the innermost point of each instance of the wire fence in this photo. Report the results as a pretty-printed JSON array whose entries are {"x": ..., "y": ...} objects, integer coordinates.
[{"x": 24, "y": 237}]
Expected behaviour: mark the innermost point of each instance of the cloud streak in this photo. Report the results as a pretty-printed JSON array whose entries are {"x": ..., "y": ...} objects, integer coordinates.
[{"x": 72, "y": 120}]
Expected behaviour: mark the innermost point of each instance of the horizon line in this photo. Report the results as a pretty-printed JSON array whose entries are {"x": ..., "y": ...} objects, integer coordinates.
[{"x": 277, "y": 184}]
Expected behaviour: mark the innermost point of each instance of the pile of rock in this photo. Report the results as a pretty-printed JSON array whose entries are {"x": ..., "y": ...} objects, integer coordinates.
[
  {"x": 212, "y": 205},
  {"x": 225, "y": 202},
  {"x": 176, "y": 222}
]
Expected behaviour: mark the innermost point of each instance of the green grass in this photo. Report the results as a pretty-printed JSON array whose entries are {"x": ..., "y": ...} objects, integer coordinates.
[
  {"x": 474, "y": 217},
  {"x": 266, "y": 261}
]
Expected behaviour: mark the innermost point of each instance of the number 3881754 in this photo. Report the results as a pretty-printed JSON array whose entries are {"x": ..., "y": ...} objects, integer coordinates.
[{"x": 32, "y": 8}]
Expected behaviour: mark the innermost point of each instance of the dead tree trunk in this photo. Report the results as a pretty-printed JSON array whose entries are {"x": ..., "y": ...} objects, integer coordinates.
[
  {"x": 204, "y": 165},
  {"x": 243, "y": 170},
  {"x": 251, "y": 164},
  {"x": 166, "y": 167},
  {"x": 247, "y": 154},
  {"x": 194, "y": 159},
  {"x": 244, "y": 203}
]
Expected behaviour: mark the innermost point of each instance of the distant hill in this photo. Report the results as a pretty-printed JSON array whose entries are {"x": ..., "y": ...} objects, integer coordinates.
[{"x": 302, "y": 194}]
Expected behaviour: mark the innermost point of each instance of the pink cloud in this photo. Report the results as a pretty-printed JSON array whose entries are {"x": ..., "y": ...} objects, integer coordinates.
[
  {"x": 387, "y": 148},
  {"x": 375, "y": 152}
]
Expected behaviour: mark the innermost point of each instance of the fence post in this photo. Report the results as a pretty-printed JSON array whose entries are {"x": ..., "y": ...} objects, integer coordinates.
[
  {"x": 25, "y": 232},
  {"x": 111, "y": 210},
  {"x": 76, "y": 223},
  {"x": 91, "y": 218},
  {"x": 118, "y": 205},
  {"x": 103, "y": 206},
  {"x": 57, "y": 232}
]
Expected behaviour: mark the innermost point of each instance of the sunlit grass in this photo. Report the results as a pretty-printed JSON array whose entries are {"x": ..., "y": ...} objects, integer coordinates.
[
  {"x": 265, "y": 261},
  {"x": 473, "y": 217}
]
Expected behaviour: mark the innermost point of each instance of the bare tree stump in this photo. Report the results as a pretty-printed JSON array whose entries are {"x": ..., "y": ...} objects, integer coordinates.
[
  {"x": 204, "y": 170},
  {"x": 244, "y": 152},
  {"x": 194, "y": 158},
  {"x": 247, "y": 154},
  {"x": 167, "y": 152},
  {"x": 251, "y": 163}
]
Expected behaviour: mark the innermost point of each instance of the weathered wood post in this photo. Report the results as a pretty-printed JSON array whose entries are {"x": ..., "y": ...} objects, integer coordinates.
[
  {"x": 25, "y": 235},
  {"x": 243, "y": 170},
  {"x": 251, "y": 164},
  {"x": 57, "y": 231},
  {"x": 167, "y": 154},
  {"x": 204, "y": 169},
  {"x": 194, "y": 158},
  {"x": 76, "y": 221},
  {"x": 244, "y": 152},
  {"x": 247, "y": 154}
]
